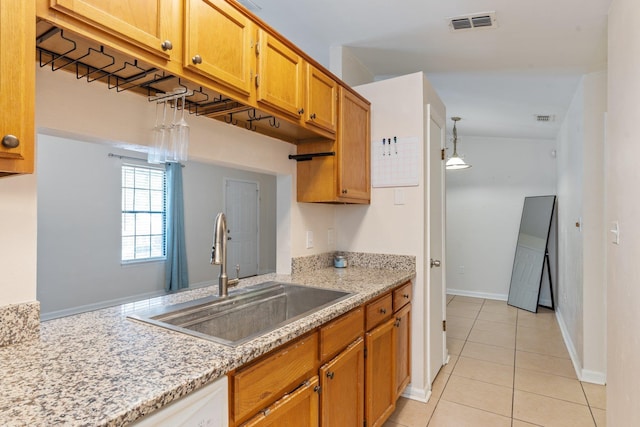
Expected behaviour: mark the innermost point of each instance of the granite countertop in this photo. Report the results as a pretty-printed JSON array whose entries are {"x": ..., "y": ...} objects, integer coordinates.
[{"x": 101, "y": 369}]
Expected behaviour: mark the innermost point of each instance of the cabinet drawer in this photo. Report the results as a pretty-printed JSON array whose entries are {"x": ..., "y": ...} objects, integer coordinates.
[
  {"x": 379, "y": 310},
  {"x": 261, "y": 384},
  {"x": 402, "y": 296},
  {"x": 339, "y": 333}
]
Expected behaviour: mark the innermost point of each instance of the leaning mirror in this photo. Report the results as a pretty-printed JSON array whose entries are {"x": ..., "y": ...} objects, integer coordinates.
[{"x": 531, "y": 264}]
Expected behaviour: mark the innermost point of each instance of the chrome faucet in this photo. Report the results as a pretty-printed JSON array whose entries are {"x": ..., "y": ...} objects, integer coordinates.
[{"x": 219, "y": 255}]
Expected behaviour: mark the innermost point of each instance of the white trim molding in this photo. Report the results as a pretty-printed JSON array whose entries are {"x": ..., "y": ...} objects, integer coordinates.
[
  {"x": 585, "y": 375},
  {"x": 474, "y": 294}
]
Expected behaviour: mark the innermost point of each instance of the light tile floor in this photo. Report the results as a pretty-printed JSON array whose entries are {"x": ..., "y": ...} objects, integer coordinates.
[{"x": 508, "y": 367}]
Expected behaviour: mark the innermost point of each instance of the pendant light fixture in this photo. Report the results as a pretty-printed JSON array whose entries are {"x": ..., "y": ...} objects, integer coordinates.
[{"x": 455, "y": 161}]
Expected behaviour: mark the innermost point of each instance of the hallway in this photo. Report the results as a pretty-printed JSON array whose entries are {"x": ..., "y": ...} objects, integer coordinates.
[{"x": 508, "y": 367}]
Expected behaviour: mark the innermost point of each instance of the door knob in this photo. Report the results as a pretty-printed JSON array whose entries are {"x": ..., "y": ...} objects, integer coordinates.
[{"x": 435, "y": 263}]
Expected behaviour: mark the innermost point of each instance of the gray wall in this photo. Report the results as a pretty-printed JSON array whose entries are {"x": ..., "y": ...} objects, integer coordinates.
[{"x": 79, "y": 226}]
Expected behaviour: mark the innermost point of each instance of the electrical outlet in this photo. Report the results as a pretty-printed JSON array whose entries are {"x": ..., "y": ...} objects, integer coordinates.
[
  {"x": 309, "y": 239},
  {"x": 461, "y": 269}
]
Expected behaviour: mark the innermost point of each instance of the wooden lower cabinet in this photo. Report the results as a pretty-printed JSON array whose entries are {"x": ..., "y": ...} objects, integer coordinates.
[
  {"x": 380, "y": 387},
  {"x": 260, "y": 384},
  {"x": 361, "y": 374},
  {"x": 298, "y": 408},
  {"x": 342, "y": 385},
  {"x": 402, "y": 333}
]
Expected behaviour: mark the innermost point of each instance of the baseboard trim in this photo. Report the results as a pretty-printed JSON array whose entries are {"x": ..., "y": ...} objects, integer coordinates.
[
  {"x": 419, "y": 394},
  {"x": 594, "y": 377},
  {"x": 474, "y": 294},
  {"x": 585, "y": 375}
]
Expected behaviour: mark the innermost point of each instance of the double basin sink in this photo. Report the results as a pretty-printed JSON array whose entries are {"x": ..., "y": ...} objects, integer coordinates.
[{"x": 245, "y": 314}]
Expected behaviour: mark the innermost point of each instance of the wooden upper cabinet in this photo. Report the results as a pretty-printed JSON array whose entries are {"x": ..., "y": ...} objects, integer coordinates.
[
  {"x": 143, "y": 23},
  {"x": 218, "y": 43},
  {"x": 321, "y": 106},
  {"x": 344, "y": 177},
  {"x": 279, "y": 75},
  {"x": 17, "y": 86},
  {"x": 354, "y": 176}
]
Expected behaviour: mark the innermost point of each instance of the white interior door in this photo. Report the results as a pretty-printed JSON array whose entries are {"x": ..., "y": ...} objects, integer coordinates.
[
  {"x": 241, "y": 209},
  {"x": 435, "y": 242}
]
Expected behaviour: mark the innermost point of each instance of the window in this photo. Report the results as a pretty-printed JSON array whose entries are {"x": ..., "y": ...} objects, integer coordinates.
[{"x": 143, "y": 213}]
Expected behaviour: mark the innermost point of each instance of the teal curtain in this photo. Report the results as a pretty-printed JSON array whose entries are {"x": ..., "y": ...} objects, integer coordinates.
[{"x": 176, "y": 274}]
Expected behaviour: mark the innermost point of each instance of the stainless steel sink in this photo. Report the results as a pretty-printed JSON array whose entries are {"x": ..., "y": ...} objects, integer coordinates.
[{"x": 245, "y": 314}]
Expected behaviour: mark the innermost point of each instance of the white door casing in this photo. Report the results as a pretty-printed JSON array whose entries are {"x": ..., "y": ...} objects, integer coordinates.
[{"x": 435, "y": 211}]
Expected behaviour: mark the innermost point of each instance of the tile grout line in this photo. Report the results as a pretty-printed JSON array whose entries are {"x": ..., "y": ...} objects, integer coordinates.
[
  {"x": 435, "y": 408},
  {"x": 593, "y": 417}
]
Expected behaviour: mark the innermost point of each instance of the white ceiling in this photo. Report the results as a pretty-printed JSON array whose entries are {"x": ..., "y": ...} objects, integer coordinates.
[{"x": 495, "y": 79}]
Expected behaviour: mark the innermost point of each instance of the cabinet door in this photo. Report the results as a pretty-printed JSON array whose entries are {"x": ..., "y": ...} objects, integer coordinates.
[
  {"x": 321, "y": 100},
  {"x": 353, "y": 148},
  {"x": 17, "y": 86},
  {"x": 144, "y": 23},
  {"x": 297, "y": 409},
  {"x": 218, "y": 43},
  {"x": 380, "y": 374},
  {"x": 279, "y": 79},
  {"x": 402, "y": 334},
  {"x": 342, "y": 384}
]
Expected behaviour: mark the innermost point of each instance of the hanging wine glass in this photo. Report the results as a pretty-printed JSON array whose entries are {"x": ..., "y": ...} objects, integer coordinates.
[
  {"x": 158, "y": 147},
  {"x": 173, "y": 142},
  {"x": 181, "y": 136}
]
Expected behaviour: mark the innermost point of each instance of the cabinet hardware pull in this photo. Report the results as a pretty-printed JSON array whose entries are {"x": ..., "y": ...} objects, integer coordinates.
[
  {"x": 330, "y": 375},
  {"x": 406, "y": 296},
  {"x": 383, "y": 310},
  {"x": 197, "y": 59},
  {"x": 317, "y": 389},
  {"x": 397, "y": 322},
  {"x": 10, "y": 141},
  {"x": 257, "y": 80},
  {"x": 301, "y": 111},
  {"x": 166, "y": 45},
  {"x": 313, "y": 116}
]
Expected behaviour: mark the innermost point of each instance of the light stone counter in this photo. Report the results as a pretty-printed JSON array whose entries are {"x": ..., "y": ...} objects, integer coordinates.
[{"x": 102, "y": 369}]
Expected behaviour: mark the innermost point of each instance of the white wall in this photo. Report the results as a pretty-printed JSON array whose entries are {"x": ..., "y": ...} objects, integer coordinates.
[
  {"x": 623, "y": 206},
  {"x": 18, "y": 239},
  {"x": 484, "y": 207},
  {"x": 570, "y": 255},
  {"x": 581, "y": 282},
  {"x": 397, "y": 108},
  {"x": 594, "y": 229},
  {"x": 347, "y": 66}
]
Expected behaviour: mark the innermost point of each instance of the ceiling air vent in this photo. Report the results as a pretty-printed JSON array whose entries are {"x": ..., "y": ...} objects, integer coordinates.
[
  {"x": 475, "y": 21},
  {"x": 545, "y": 118}
]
